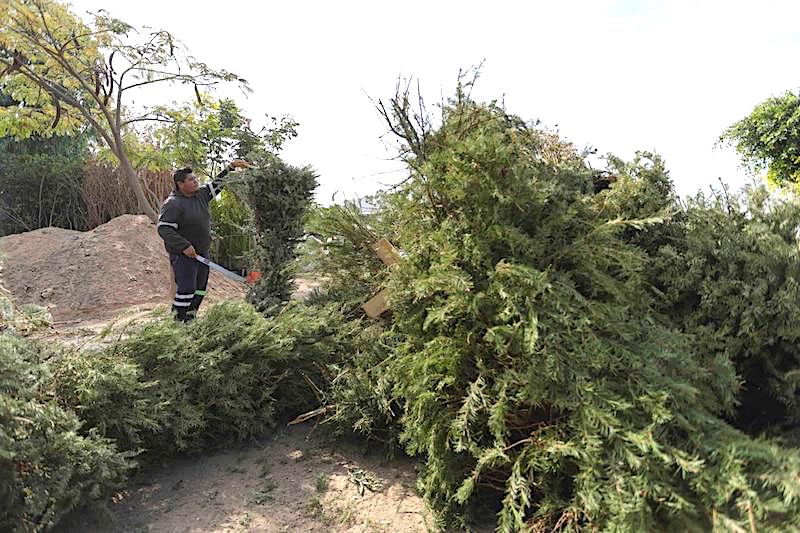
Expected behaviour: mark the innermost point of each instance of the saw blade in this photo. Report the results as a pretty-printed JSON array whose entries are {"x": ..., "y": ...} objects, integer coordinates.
[{"x": 222, "y": 270}]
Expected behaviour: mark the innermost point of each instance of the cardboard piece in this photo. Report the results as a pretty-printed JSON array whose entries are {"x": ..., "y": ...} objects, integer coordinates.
[
  {"x": 386, "y": 252},
  {"x": 376, "y": 305}
]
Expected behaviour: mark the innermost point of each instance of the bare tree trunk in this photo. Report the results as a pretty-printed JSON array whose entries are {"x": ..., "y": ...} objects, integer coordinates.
[{"x": 135, "y": 185}]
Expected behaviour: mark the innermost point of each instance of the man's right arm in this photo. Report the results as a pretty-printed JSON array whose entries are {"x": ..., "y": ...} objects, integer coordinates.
[{"x": 168, "y": 227}]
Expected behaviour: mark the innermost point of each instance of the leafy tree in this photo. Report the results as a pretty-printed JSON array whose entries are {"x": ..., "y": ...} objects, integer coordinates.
[
  {"x": 204, "y": 134},
  {"x": 769, "y": 138},
  {"x": 65, "y": 73}
]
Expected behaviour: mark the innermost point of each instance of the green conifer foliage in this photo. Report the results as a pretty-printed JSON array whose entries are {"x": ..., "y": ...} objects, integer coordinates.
[
  {"x": 280, "y": 196},
  {"x": 532, "y": 366},
  {"x": 48, "y": 465},
  {"x": 228, "y": 377},
  {"x": 726, "y": 270},
  {"x": 341, "y": 249},
  {"x": 733, "y": 284},
  {"x": 358, "y": 392}
]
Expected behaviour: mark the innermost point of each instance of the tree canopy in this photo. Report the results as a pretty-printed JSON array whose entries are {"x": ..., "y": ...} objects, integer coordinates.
[
  {"x": 769, "y": 138},
  {"x": 64, "y": 73}
]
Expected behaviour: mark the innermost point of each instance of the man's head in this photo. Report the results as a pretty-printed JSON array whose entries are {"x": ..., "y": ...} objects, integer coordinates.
[{"x": 185, "y": 181}]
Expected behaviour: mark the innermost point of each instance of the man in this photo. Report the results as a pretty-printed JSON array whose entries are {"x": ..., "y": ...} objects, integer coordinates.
[{"x": 185, "y": 225}]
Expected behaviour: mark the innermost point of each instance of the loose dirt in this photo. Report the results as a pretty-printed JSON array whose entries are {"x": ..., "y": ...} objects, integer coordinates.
[
  {"x": 294, "y": 481},
  {"x": 96, "y": 273}
]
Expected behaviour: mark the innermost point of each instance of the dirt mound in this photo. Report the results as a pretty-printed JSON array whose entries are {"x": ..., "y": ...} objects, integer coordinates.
[{"x": 95, "y": 273}]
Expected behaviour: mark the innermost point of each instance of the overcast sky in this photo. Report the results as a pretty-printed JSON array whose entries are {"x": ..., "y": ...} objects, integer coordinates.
[{"x": 617, "y": 75}]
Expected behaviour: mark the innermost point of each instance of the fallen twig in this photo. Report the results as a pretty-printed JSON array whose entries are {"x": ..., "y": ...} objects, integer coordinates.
[{"x": 311, "y": 414}]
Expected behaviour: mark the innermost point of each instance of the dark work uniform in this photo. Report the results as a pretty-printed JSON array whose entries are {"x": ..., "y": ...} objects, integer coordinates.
[{"x": 185, "y": 221}]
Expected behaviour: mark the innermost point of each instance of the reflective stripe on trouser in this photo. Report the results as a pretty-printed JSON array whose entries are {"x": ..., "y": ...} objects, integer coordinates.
[{"x": 191, "y": 278}]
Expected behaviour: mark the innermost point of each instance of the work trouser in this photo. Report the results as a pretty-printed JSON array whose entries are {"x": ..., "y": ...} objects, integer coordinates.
[{"x": 191, "y": 279}]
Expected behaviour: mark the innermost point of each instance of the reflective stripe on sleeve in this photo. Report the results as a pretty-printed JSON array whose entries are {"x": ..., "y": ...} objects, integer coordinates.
[
  {"x": 174, "y": 225},
  {"x": 178, "y": 303}
]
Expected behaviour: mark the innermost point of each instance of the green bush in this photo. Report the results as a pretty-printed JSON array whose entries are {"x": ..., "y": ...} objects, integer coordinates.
[{"x": 49, "y": 463}]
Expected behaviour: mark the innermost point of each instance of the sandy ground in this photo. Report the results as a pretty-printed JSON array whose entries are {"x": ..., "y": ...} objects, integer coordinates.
[{"x": 294, "y": 481}]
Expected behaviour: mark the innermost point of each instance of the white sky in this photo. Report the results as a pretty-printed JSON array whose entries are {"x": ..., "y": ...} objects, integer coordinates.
[{"x": 618, "y": 75}]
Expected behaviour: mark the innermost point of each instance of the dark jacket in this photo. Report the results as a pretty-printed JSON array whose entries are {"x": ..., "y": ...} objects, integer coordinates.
[{"x": 186, "y": 220}]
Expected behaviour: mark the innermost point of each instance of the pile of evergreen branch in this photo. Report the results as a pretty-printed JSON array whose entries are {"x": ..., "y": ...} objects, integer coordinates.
[
  {"x": 49, "y": 462},
  {"x": 70, "y": 421},
  {"x": 726, "y": 269},
  {"x": 569, "y": 356},
  {"x": 529, "y": 355},
  {"x": 733, "y": 284},
  {"x": 227, "y": 377}
]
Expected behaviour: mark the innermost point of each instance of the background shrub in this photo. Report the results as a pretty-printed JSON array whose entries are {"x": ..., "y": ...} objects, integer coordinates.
[{"x": 41, "y": 184}]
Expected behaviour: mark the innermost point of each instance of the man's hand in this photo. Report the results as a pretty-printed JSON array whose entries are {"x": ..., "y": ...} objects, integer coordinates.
[
  {"x": 189, "y": 252},
  {"x": 239, "y": 163}
]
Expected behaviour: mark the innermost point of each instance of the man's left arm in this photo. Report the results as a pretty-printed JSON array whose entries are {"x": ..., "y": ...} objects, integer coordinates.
[{"x": 218, "y": 183}]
